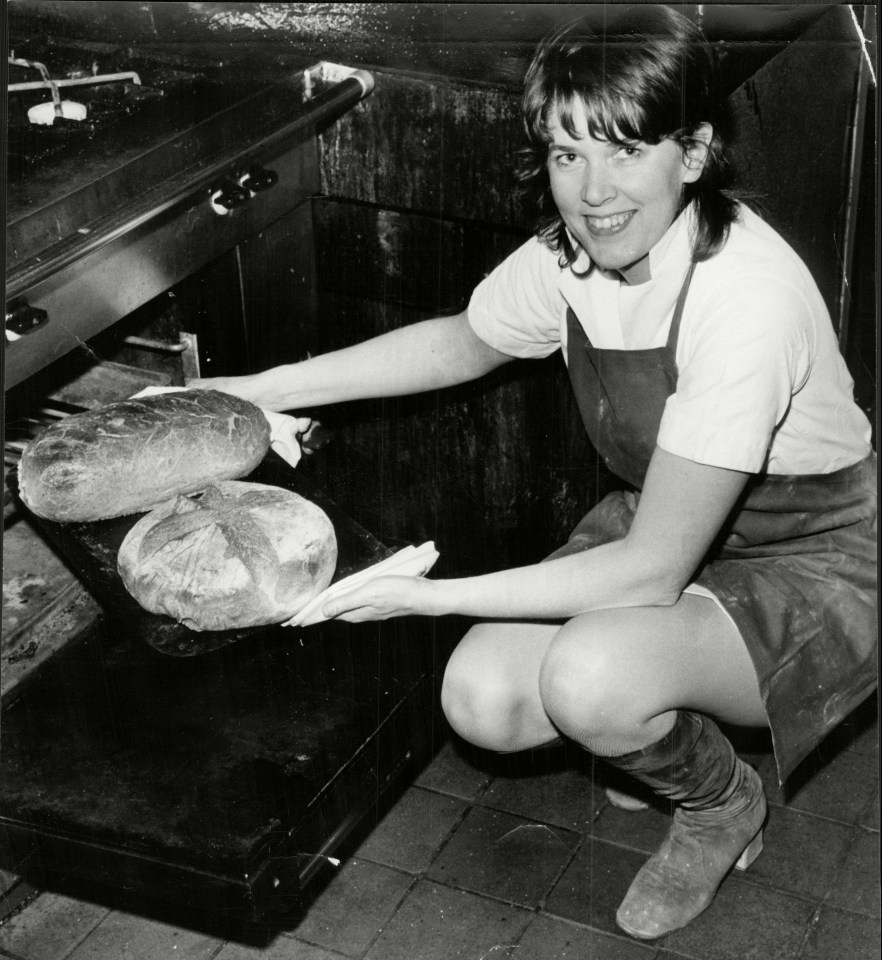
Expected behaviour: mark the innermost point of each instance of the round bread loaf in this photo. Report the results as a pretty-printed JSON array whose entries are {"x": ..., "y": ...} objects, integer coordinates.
[
  {"x": 242, "y": 555},
  {"x": 128, "y": 457}
]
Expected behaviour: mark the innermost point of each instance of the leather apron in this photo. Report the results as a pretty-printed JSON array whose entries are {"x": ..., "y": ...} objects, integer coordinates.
[{"x": 795, "y": 565}]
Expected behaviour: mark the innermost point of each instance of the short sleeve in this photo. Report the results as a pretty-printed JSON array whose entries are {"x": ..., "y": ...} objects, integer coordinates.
[
  {"x": 517, "y": 308},
  {"x": 748, "y": 352}
]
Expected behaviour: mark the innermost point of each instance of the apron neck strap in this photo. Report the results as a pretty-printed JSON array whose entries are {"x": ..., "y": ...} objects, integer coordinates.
[{"x": 674, "y": 332}]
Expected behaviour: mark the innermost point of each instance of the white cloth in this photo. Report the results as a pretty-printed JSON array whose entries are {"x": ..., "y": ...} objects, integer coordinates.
[
  {"x": 284, "y": 429},
  {"x": 408, "y": 562},
  {"x": 762, "y": 383}
]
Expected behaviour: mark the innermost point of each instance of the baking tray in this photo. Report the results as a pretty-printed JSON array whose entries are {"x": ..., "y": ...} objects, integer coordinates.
[{"x": 91, "y": 550}]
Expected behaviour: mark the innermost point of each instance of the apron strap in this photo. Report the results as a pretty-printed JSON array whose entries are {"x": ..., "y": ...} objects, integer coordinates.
[{"x": 674, "y": 332}]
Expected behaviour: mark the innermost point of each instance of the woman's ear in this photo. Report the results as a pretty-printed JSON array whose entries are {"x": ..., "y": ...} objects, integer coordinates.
[{"x": 695, "y": 151}]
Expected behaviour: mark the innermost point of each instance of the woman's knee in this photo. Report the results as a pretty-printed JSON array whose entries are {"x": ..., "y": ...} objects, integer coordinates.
[
  {"x": 585, "y": 684},
  {"x": 480, "y": 699}
]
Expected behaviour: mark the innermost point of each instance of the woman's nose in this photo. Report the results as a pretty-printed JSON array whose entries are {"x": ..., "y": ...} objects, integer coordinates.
[{"x": 597, "y": 186}]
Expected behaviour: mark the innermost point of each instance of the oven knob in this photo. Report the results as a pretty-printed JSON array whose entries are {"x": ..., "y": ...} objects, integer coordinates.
[
  {"x": 259, "y": 178},
  {"x": 22, "y": 318},
  {"x": 227, "y": 196}
]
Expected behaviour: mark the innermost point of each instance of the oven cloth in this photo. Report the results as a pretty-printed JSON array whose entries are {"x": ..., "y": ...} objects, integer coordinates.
[{"x": 795, "y": 566}]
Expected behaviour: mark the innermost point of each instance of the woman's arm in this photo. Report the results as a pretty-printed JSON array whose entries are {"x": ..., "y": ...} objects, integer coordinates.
[
  {"x": 682, "y": 508},
  {"x": 428, "y": 355}
]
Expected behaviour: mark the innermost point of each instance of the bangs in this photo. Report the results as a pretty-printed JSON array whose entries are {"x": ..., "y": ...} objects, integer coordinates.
[
  {"x": 616, "y": 119},
  {"x": 626, "y": 91}
]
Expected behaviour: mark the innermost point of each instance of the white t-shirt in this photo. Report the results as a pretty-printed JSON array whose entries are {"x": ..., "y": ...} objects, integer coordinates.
[{"x": 761, "y": 381}]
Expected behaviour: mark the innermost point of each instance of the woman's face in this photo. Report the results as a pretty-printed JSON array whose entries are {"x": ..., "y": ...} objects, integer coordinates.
[{"x": 617, "y": 201}]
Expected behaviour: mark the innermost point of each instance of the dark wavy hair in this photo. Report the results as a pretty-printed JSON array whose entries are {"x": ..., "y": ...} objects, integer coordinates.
[{"x": 647, "y": 74}]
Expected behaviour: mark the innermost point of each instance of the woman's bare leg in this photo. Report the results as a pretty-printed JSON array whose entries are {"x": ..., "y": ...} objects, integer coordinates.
[
  {"x": 613, "y": 680},
  {"x": 610, "y": 680}
]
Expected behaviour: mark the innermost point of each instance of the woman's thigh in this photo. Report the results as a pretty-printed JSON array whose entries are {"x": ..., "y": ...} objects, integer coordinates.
[{"x": 614, "y": 671}]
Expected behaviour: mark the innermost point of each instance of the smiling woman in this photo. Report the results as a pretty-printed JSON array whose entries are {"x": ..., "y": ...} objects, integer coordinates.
[{"x": 705, "y": 367}]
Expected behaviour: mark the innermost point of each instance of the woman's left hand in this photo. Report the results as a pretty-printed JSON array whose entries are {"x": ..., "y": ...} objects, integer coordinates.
[{"x": 383, "y": 598}]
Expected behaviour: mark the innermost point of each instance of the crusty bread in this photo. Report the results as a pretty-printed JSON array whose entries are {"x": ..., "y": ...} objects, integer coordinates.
[
  {"x": 242, "y": 555},
  {"x": 128, "y": 457}
]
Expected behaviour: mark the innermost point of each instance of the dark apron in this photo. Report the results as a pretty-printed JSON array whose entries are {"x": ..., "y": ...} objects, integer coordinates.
[{"x": 795, "y": 565}]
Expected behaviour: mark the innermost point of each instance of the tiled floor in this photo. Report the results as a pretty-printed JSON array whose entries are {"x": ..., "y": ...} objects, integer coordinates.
[{"x": 489, "y": 858}]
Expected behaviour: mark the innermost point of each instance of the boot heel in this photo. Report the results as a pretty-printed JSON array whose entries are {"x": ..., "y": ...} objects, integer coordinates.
[{"x": 751, "y": 852}]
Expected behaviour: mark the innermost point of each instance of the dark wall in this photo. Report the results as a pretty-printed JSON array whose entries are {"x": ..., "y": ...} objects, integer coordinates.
[{"x": 795, "y": 126}]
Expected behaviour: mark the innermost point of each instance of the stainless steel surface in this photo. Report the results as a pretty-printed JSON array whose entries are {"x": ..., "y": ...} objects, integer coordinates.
[{"x": 172, "y": 228}]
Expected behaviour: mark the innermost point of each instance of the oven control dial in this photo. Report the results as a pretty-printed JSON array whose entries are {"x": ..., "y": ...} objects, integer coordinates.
[
  {"x": 22, "y": 318},
  {"x": 228, "y": 196},
  {"x": 258, "y": 178}
]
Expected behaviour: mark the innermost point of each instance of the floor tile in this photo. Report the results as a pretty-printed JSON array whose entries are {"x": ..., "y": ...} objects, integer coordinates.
[
  {"x": 437, "y": 923},
  {"x": 801, "y": 853},
  {"x": 565, "y": 795},
  {"x": 504, "y": 856},
  {"x": 866, "y": 739},
  {"x": 283, "y": 948},
  {"x": 413, "y": 830},
  {"x": 452, "y": 772},
  {"x": 547, "y": 939},
  {"x": 641, "y": 830},
  {"x": 860, "y": 730},
  {"x": 764, "y": 764},
  {"x": 124, "y": 936},
  {"x": 745, "y": 922},
  {"x": 50, "y": 927},
  {"x": 594, "y": 885},
  {"x": 839, "y": 788},
  {"x": 7, "y": 881},
  {"x": 870, "y": 817},
  {"x": 15, "y": 895},
  {"x": 837, "y": 934},
  {"x": 856, "y": 887},
  {"x": 355, "y": 905}
]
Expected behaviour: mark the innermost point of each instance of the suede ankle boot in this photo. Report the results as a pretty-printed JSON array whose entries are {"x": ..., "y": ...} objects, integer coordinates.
[{"x": 717, "y": 824}]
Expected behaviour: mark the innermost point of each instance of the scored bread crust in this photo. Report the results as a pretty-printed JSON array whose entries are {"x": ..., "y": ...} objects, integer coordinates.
[
  {"x": 127, "y": 457},
  {"x": 245, "y": 554}
]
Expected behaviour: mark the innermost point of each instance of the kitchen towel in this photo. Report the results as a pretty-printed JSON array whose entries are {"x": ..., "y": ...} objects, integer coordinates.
[{"x": 408, "y": 562}]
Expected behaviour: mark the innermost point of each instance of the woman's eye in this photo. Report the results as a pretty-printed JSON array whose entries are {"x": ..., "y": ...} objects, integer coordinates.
[
  {"x": 627, "y": 151},
  {"x": 564, "y": 159}
]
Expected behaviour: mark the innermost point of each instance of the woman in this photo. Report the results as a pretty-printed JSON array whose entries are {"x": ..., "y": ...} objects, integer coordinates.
[{"x": 734, "y": 578}]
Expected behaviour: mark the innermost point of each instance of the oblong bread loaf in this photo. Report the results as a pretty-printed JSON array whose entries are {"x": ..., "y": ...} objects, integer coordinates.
[
  {"x": 242, "y": 555},
  {"x": 127, "y": 457}
]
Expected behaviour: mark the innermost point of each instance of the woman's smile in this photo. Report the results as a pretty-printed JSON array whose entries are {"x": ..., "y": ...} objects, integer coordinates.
[{"x": 609, "y": 225}]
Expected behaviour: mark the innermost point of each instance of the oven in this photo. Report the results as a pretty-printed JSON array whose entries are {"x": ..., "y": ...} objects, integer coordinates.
[{"x": 137, "y": 243}]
